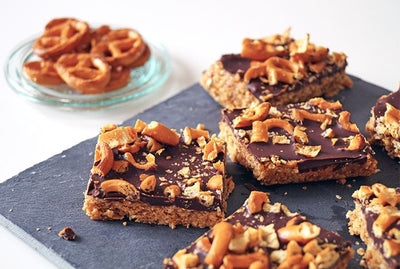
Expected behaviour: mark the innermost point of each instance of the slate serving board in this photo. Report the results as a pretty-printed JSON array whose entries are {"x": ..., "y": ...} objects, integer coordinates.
[{"x": 50, "y": 194}]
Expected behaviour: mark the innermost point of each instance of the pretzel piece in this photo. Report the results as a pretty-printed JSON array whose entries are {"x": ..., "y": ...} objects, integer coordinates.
[
  {"x": 61, "y": 36},
  {"x": 222, "y": 234},
  {"x": 84, "y": 72},
  {"x": 42, "y": 72}
]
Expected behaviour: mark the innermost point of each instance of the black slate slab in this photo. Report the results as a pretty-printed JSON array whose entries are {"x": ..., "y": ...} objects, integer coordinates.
[{"x": 50, "y": 194}]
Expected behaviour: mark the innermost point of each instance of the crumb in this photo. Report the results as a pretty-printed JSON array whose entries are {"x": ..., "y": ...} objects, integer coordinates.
[
  {"x": 285, "y": 193},
  {"x": 304, "y": 187},
  {"x": 360, "y": 251},
  {"x": 49, "y": 228},
  {"x": 357, "y": 243},
  {"x": 67, "y": 233},
  {"x": 168, "y": 157},
  {"x": 341, "y": 181},
  {"x": 38, "y": 229},
  {"x": 11, "y": 210},
  {"x": 339, "y": 197},
  {"x": 191, "y": 108},
  {"x": 125, "y": 223},
  {"x": 349, "y": 185}
]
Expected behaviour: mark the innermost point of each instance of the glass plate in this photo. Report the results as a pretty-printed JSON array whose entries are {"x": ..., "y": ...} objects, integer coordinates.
[{"x": 143, "y": 80}]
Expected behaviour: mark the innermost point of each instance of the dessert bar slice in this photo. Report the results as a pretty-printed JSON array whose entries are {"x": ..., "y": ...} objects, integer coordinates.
[
  {"x": 300, "y": 142},
  {"x": 384, "y": 124},
  {"x": 277, "y": 69},
  {"x": 148, "y": 173},
  {"x": 376, "y": 218},
  {"x": 264, "y": 235}
]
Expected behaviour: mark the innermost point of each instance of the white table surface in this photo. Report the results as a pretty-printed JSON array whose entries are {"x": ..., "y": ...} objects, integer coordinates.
[{"x": 195, "y": 33}]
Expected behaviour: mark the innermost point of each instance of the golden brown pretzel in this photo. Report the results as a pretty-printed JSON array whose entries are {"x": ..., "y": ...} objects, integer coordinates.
[
  {"x": 120, "y": 47},
  {"x": 61, "y": 36},
  {"x": 119, "y": 78},
  {"x": 280, "y": 69},
  {"x": 42, "y": 72},
  {"x": 84, "y": 72},
  {"x": 142, "y": 59}
]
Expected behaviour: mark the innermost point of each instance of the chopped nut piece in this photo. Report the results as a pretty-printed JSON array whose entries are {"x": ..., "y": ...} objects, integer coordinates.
[
  {"x": 328, "y": 133},
  {"x": 206, "y": 198},
  {"x": 219, "y": 166},
  {"x": 67, "y": 233},
  {"x": 356, "y": 143}
]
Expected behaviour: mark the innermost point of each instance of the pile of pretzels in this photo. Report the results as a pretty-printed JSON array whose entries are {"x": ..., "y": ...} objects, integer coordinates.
[{"x": 88, "y": 60}]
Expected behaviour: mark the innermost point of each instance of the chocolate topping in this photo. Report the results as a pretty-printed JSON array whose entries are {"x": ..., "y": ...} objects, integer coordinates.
[
  {"x": 328, "y": 155},
  {"x": 380, "y": 107},
  {"x": 234, "y": 63},
  {"x": 169, "y": 162}
]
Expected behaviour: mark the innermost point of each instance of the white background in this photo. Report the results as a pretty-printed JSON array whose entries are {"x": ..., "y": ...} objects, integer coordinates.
[{"x": 195, "y": 33}]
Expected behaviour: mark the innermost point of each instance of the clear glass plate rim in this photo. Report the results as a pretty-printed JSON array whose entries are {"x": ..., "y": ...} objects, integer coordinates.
[{"x": 155, "y": 81}]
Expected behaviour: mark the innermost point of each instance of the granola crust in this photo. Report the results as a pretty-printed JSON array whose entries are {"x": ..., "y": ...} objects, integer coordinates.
[
  {"x": 231, "y": 91},
  {"x": 271, "y": 173},
  {"x": 102, "y": 209}
]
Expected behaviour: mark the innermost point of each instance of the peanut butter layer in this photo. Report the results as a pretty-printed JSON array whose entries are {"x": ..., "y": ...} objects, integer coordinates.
[
  {"x": 376, "y": 219},
  {"x": 301, "y": 137},
  {"x": 264, "y": 235},
  {"x": 152, "y": 164}
]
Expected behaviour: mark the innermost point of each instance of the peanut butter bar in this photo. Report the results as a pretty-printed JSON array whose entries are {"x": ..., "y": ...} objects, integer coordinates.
[
  {"x": 148, "y": 173},
  {"x": 277, "y": 69},
  {"x": 300, "y": 142},
  {"x": 264, "y": 235},
  {"x": 384, "y": 124},
  {"x": 376, "y": 218}
]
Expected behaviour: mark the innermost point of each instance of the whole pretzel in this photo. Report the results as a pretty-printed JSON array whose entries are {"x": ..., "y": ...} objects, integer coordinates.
[
  {"x": 61, "y": 36},
  {"x": 42, "y": 72},
  {"x": 142, "y": 59},
  {"x": 120, "y": 47},
  {"x": 84, "y": 72},
  {"x": 119, "y": 78}
]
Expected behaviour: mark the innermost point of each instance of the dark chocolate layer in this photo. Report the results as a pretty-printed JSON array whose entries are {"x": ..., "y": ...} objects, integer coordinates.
[
  {"x": 234, "y": 63},
  {"x": 380, "y": 107},
  {"x": 370, "y": 217},
  {"x": 329, "y": 154},
  {"x": 169, "y": 162}
]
